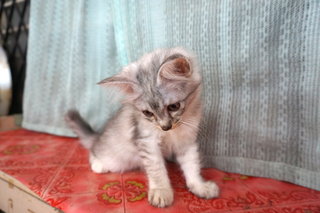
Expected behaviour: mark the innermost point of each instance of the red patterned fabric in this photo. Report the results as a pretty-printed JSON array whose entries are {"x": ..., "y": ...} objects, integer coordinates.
[{"x": 57, "y": 169}]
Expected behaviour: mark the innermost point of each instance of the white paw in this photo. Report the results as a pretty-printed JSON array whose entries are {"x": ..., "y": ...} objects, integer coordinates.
[
  {"x": 160, "y": 197},
  {"x": 207, "y": 189},
  {"x": 97, "y": 166}
]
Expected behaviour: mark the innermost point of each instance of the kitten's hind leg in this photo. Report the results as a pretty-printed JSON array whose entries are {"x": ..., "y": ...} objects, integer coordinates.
[
  {"x": 190, "y": 165},
  {"x": 96, "y": 165}
]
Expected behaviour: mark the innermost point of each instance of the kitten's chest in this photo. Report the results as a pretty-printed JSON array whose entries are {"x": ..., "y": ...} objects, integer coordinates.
[{"x": 175, "y": 141}]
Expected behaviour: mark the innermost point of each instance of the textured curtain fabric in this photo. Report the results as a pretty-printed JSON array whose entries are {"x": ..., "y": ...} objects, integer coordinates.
[{"x": 260, "y": 62}]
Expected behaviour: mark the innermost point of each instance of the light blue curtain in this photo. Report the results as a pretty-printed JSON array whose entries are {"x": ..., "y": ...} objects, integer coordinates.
[{"x": 260, "y": 62}]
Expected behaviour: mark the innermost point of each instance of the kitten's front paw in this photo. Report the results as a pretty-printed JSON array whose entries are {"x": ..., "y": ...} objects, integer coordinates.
[
  {"x": 160, "y": 197},
  {"x": 207, "y": 189}
]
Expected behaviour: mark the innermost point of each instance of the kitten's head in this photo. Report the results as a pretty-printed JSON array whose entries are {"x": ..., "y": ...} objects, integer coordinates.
[{"x": 161, "y": 85}]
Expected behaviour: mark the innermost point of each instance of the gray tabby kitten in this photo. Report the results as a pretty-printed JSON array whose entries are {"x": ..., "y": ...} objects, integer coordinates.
[{"x": 159, "y": 119}]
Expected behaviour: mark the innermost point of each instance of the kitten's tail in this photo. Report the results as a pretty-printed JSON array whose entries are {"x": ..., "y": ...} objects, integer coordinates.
[{"x": 81, "y": 128}]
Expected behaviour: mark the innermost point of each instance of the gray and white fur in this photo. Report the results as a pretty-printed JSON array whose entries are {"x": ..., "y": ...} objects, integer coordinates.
[{"x": 159, "y": 119}]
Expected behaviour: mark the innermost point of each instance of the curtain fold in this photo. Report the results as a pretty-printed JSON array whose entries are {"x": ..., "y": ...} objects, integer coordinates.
[{"x": 260, "y": 62}]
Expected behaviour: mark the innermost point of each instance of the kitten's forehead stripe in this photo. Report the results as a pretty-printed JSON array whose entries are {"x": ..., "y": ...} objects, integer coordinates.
[
  {"x": 147, "y": 80},
  {"x": 154, "y": 105}
]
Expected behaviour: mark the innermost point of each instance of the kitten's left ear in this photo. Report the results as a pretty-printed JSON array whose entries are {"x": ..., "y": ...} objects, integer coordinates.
[
  {"x": 175, "y": 69},
  {"x": 121, "y": 82}
]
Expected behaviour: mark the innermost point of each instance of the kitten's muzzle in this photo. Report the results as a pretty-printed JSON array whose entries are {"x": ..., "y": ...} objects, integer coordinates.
[{"x": 166, "y": 127}]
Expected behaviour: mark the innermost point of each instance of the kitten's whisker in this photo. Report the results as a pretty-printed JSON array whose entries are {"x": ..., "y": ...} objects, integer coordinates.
[
  {"x": 176, "y": 125},
  {"x": 195, "y": 127},
  {"x": 189, "y": 124}
]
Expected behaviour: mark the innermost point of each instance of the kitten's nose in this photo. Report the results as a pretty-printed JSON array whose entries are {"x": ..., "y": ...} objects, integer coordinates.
[{"x": 167, "y": 127}]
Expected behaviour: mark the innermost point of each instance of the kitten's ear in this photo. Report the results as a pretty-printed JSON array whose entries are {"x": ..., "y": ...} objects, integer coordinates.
[
  {"x": 126, "y": 85},
  {"x": 175, "y": 69}
]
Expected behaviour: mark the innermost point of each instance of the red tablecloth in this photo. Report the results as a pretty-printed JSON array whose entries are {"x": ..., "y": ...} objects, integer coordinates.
[{"x": 57, "y": 169}]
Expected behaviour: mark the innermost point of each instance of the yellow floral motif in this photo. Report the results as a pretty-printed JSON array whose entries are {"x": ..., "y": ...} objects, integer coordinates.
[
  {"x": 242, "y": 177},
  {"x": 21, "y": 149},
  {"x": 110, "y": 199},
  {"x": 141, "y": 195},
  {"x": 138, "y": 197},
  {"x": 135, "y": 183},
  {"x": 133, "y": 190},
  {"x": 227, "y": 178},
  {"x": 108, "y": 185}
]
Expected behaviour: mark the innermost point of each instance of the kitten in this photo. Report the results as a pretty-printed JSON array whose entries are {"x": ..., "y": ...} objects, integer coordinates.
[{"x": 159, "y": 119}]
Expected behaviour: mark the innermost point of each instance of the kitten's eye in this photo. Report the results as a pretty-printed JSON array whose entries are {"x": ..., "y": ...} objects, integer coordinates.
[
  {"x": 147, "y": 113},
  {"x": 174, "y": 107}
]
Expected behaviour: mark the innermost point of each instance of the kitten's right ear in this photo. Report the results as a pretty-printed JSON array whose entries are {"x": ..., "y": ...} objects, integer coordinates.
[
  {"x": 121, "y": 82},
  {"x": 177, "y": 68}
]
